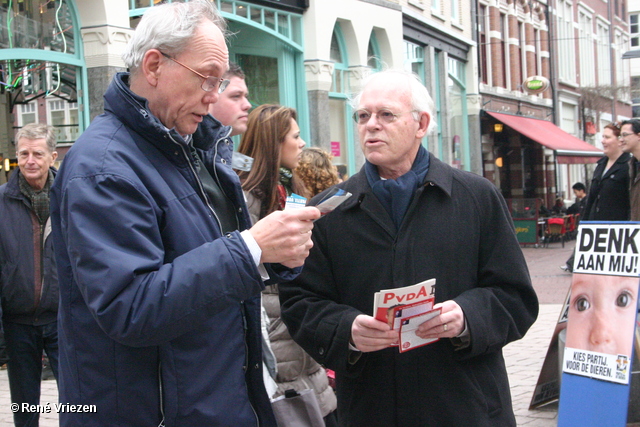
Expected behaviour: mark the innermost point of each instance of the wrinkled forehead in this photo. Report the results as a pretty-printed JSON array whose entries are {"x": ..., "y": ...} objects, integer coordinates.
[
  {"x": 385, "y": 92},
  {"x": 27, "y": 144}
]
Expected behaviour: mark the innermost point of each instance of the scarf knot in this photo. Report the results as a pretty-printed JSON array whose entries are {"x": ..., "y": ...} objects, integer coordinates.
[{"x": 396, "y": 194}]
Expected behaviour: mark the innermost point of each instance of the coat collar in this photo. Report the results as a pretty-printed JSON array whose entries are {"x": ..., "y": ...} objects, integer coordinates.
[
  {"x": 13, "y": 187},
  {"x": 133, "y": 110},
  {"x": 440, "y": 175}
]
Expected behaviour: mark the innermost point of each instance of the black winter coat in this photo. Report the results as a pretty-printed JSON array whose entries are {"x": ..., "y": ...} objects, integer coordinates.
[
  {"x": 25, "y": 299},
  {"x": 456, "y": 230},
  {"x": 609, "y": 194}
]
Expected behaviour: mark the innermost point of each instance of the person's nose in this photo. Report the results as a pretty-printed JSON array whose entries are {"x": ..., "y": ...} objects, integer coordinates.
[
  {"x": 373, "y": 122},
  {"x": 211, "y": 97},
  {"x": 602, "y": 332},
  {"x": 302, "y": 143},
  {"x": 246, "y": 105}
]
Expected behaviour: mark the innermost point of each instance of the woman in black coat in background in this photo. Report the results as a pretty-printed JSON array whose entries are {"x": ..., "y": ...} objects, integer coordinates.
[{"x": 609, "y": 194}]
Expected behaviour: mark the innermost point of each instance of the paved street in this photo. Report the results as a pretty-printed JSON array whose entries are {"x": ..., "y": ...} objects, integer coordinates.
[{"x": 524, "y": 358}]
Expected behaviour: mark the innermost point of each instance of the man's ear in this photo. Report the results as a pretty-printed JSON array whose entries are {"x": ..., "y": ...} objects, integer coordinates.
[
  {"x": 151, "y": 66},
  {"x": 424, "y": 121}
]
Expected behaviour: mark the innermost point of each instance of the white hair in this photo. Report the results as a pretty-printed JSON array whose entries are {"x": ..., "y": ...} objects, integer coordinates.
[
  {"x": 421, "y": 101},
  {"x": 169, "y": 28}
]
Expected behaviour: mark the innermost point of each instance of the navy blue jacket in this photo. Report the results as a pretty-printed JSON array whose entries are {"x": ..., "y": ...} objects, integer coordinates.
[
  {"x": 160, "y": 313},
  {"x": 26, "y": 299}
]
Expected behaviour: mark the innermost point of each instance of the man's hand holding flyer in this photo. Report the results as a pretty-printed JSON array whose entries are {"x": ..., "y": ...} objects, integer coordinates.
[{"x": 406, "y": 309}]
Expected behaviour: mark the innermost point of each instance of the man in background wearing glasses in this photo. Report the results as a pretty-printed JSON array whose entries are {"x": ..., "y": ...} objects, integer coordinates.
[
  {"x": 412, "y": 218},
  {"x": 159, "y": 274},
  {"x": 630, "y": 136}
]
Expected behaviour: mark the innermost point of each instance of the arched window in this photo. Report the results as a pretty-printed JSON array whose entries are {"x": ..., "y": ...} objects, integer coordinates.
[
  {"x": 341, "y": 128},
  {"x": 457, "y": 114},
  {"x": 374, "y": 59}
]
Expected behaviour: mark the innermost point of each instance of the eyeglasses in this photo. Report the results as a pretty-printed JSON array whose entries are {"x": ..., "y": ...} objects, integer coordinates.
[
  {"x": 362, "y": 116},
  {"x": 624, "y": 135},
  {"x": 209, "y": 82}
]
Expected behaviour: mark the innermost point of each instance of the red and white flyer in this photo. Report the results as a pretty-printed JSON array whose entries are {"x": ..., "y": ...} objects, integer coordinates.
[
  {"x": 408, "y": 338},
  {"x": 405, "y": 309},
  {"x": 385, "y": 302}
]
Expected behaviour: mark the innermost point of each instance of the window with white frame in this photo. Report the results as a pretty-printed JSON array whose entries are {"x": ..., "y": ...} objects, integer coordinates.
[
  {"x": 585, "y": 41},
  {"x": 28, "y": 113},
  {"x": 634, "y": 31},
  {"x": 566, "y": 45},
  {"x": 63, "y": 116},
  {"x": 538, "y": 47},
  {"x": 522, "y": 54},
  {"x": 504, "y": 47},
  {"x": 436, "y": 7},
  {"x": 622, "y": 67},
  {"x": 455, "y": 12},
  {"x": 604, "y": 54},
  {"x": 414, "y": 58},
  {"x": 483, "y": 45},
  {"x": 568, "y": 120}
]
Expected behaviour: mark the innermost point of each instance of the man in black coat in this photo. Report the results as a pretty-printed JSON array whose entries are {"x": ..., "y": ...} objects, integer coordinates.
[
  {"x": 411, "y": 218},
  {"x": 28, "y": 275}
]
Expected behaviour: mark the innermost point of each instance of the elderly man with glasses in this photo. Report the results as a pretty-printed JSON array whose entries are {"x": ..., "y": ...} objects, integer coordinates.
[
  {"x": 630, "y": 137},
  {"x": 412, "y": 218},
  {"x": 160, "y": 276}
]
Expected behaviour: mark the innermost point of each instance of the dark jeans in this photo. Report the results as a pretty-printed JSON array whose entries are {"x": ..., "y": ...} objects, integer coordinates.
[{"x": 25, "y": 344}]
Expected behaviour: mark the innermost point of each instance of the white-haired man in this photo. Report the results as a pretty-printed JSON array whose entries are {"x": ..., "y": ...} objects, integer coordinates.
[
  {"x": 412, "y": 218},
  {"x": 160, "y": 276}
]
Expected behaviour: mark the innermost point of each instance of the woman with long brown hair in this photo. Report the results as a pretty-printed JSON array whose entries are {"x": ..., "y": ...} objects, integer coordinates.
[{"x": 273, "y": 141}]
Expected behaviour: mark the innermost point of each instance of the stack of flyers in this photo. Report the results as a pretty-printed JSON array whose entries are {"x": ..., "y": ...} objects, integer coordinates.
[
  {"x": 406, "y": 309},
  {"x": 332, "y": 200},
  {"x": 408, "y": 338}
]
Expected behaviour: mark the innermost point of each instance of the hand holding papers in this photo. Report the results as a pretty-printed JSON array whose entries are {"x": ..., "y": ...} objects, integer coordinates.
[
  {"x": 406, "y": 309},
  {"x": 334, "y": 197}
]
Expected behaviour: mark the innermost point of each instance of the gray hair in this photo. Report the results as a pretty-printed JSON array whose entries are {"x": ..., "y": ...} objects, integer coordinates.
[
  {"x": 421, "y": 101},
  {"x": 169, "y": 28},
  {"x": 38, "y": 131}
]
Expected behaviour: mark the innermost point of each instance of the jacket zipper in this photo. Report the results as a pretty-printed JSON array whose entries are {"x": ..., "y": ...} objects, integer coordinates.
[
  {"x": 38, "y": 281},
  {"x": 244, "y": 320},
  {"x": 215, "y": 172},
  {"x": 161, "y": 394},
  {"x": 246, "y": 358},
  {"x": 200, "y": 187}
]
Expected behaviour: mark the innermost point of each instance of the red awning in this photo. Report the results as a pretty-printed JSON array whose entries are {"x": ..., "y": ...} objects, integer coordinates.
[{"x": 568, "y": 148}]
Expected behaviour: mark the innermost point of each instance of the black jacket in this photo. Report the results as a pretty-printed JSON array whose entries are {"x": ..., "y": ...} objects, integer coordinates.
[
  {"x": 457, "y": 230},
  {"x": 608, "y": 198},
  {"x": 25, "y": 298}
]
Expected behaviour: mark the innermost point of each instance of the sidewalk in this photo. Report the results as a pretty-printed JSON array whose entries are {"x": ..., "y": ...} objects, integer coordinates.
[{"x": 523, "y": 358}]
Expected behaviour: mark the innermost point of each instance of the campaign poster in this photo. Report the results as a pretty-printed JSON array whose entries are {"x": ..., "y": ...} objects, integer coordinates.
[{"x": 602, "y": 310}]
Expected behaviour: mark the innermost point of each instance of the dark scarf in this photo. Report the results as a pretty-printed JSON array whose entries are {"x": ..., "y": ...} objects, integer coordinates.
[
  {"x": 285, "y": 186},
  {"x": 39, "y": 198},
  {"x": 396, "y": 194}
]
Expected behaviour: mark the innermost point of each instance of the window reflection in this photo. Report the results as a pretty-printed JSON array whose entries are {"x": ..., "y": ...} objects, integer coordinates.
[{"x": 37, "y": 25}]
